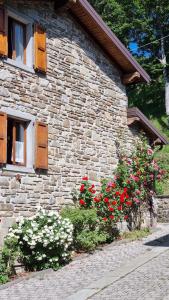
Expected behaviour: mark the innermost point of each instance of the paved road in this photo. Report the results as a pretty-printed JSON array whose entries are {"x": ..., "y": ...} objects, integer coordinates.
[{"x": 134, "y": 271}]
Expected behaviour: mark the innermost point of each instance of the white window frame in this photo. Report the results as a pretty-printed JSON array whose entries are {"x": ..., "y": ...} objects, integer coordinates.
[
  {"x": 29, "y": 37},
  {"x": 30, "y": 144}
]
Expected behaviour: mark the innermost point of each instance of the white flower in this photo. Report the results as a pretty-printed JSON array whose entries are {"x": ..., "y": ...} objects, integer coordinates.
[{"x": 25, "y": 238}]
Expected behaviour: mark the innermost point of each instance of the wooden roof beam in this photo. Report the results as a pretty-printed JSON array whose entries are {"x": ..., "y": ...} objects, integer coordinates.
[
  {"x": 132, "y": 120},
  {"x": 131, "y": 78}
]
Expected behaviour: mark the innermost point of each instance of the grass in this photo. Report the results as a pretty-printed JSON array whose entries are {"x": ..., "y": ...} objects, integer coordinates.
[{"x": 136, "y": 234}]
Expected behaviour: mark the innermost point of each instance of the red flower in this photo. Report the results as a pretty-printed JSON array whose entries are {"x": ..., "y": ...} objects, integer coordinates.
[
  {"x": 93, "y": 185},
  {"x": 128, "y": 203},
  {"x": 106, "y": 200},
  {"x": 117, "y": 193},
  {"x": 119, "y": 207},
  {"x": 85, "y": 178},
  {"x": 82, "y": 188},
  {"x": 96, "y": 199},
  {"x": 90, "y": 189},
  {"x": 114, "y": 202},
  {"x": 125, "y": 190},
  {"x": 126, "y": 217},
  {"x": 122, "y": 198},
  {"x": 111, "y": 209},
  {"x": 111, "y": 184},
  {"x": 104, "y": 219},
  {"x": 111, "y": 217},
  {"x": 82, "y": 202},
  {"x": 127, "y": 196},
  {"x": 108, "y": 189}
]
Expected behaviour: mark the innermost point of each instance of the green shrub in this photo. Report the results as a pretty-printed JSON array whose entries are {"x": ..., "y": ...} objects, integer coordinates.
[
  {"x": 87, "y": 231},
  {"x": 4, "y": 277},
  {"x": 80, "y": 218},
  {"x": 89, "y": 240}
]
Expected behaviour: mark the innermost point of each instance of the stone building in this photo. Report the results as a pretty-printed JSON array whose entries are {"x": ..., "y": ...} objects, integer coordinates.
[{"x": 63, "y": 103}]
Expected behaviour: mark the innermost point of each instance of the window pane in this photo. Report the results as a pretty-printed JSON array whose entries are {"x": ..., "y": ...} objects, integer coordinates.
[
  {"x": 19, "y": 42},
  {"x": 19, "y": 144}
]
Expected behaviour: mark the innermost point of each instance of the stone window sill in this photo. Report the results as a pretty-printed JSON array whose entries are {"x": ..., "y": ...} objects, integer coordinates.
[
  {"x": 19, "y": 169},
  {"x": 19, "y": 65}
]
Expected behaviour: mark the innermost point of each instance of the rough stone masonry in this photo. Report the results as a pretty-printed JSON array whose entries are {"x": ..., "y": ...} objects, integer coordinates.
[{"x": 82, "y": 100}]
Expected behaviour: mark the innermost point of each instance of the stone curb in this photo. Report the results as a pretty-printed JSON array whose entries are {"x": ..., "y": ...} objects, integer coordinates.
[
  {"x": 162, "y": 196},
  {"x": 116, "y": 275},
  {"x": 29, "y": 276}
]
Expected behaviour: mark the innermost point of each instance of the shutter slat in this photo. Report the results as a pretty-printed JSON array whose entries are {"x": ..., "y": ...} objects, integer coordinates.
[
  {"x": 41, "y": 149},
  {"x": 3, "y": 138},
  {"x": 40, "y": 49},
  {"x": 3, "y": 35}
]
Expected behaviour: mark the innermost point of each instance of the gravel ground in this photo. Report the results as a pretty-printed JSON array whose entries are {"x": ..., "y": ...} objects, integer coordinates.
[{"x": 145, "y": 283}]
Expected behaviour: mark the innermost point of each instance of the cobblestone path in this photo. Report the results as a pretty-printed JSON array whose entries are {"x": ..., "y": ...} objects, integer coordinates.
[{"x": 135, "y": 270}]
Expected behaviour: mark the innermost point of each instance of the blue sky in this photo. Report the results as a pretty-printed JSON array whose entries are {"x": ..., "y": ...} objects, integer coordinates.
[{"x": 135, "y": 50}]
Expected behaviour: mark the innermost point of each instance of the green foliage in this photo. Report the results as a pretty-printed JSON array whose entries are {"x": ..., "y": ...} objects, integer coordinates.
[
  {"x": 4, "y": 276},
  {"x": 162, "y": 158},
  {"x": 87, "y": 233},
  {"x": 8, "y": 255},
  {"x": 88, "y": 240},
  {"x": 10, "y": 252},
  {"x": 81, "y": 219}
]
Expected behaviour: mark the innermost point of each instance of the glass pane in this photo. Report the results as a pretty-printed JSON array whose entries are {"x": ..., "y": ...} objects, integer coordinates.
[
  {"x": 19, "y": 144},
  {"x": 19, "y": 42}
]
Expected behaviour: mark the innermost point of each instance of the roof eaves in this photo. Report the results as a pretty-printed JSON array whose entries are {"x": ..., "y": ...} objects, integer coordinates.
[
  {"x": 135, "y": 112},
  {"x": 103, "y": 27}
]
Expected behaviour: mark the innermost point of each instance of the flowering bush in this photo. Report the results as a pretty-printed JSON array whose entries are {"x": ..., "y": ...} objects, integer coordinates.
[
  {"x": 44, "y": 240},
  {"x": 111, "y": 202},
  {"x": 86, "y": 194},
  {"x": 129, "y": 193},
  {"x": 137, "y": 174}
]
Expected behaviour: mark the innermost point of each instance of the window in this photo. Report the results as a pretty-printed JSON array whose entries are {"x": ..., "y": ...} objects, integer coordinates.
[
  {"x": 16, "y": 142},
  {"x": 23, "y": 142},
  {"x": 22, "y": 42},
  {"x": 16, "y": 41}
]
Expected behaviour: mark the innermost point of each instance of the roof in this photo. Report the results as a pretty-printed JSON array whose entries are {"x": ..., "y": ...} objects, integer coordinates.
[
  {"x": 134, "y": 115},
  {"x": 93, "y": 23}
]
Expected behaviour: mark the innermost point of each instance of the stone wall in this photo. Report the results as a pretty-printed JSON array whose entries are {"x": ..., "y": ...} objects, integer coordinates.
[
  {"x": 82, "y": 100},
  {"x": 163, "y": 209}
]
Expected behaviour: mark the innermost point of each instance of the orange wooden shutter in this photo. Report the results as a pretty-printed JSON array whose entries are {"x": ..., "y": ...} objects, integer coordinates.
[
  {"x": 3, "y": 35},
  {"x": 41, "y": 148},
  {"x": 40, "y": 49},
  {"x": 3, "y": 138}
]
